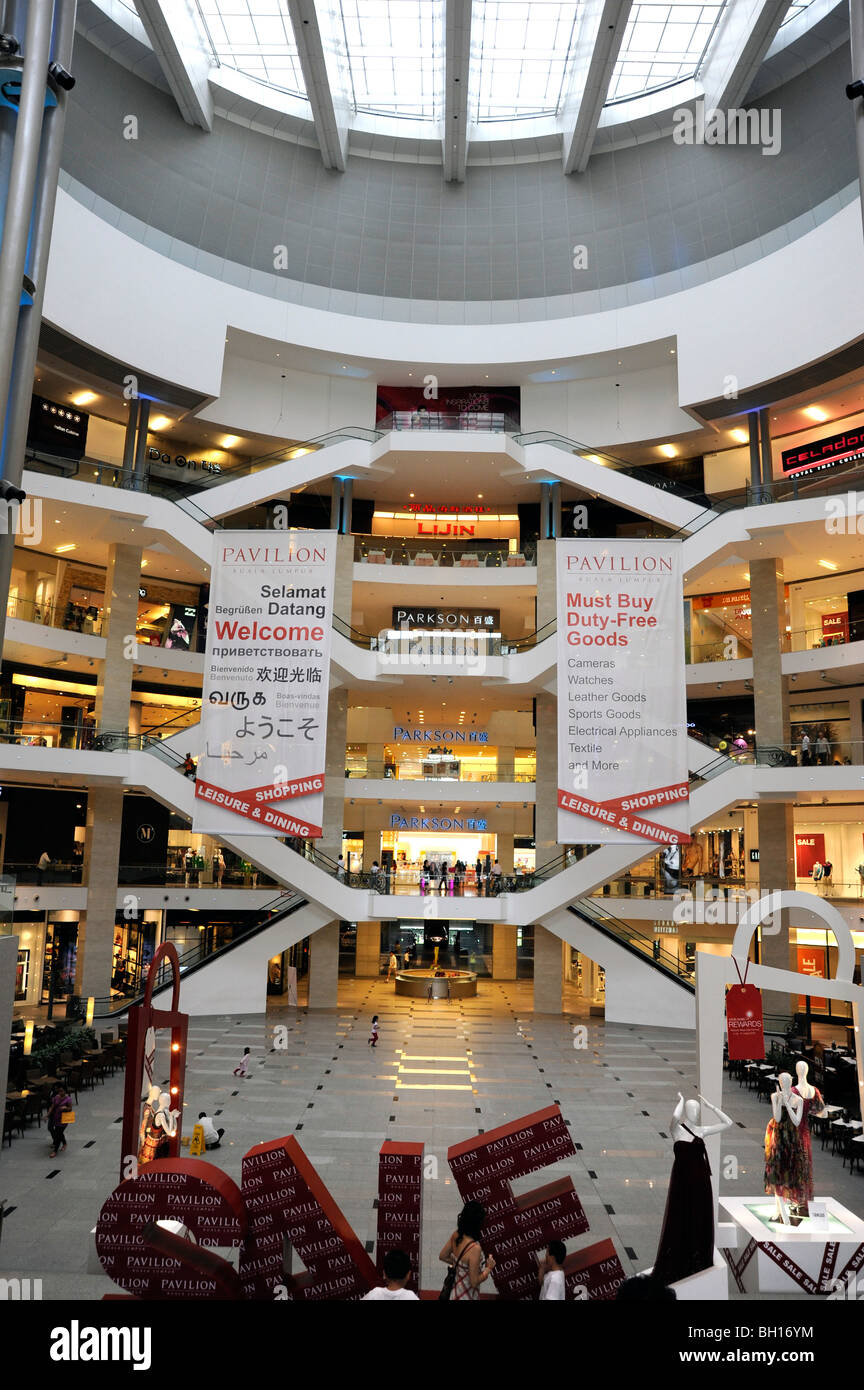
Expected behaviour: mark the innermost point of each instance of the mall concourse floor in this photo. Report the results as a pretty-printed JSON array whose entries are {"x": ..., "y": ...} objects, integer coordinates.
[{"x": 440, "y": 1073}]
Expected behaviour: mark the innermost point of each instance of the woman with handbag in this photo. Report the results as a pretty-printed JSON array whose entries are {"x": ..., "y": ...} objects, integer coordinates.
[
  {"x": 60, "y": 1114},
  {"x": 469, "y": 1268}
]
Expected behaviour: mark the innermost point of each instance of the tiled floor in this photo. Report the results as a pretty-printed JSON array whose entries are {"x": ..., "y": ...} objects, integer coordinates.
[{"x": 439, "y": 1074}]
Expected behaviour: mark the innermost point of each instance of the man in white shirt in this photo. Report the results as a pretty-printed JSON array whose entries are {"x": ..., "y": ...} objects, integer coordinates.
[
  {"x": 551, "y": 1272},
  {"x": 397, "y": 1272},
  {"x": 212, "y": 1135},
  {"x": 43, "y": 864}
]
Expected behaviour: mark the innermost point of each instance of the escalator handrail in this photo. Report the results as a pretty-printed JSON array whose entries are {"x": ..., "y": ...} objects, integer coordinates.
[{"x": 623, "y": 938}]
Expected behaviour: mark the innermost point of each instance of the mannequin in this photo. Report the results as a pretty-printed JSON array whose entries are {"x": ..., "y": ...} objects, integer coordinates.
[
  {"x": 150, "y": 1105},
  {"x": 162, "y": 1127},
  {"x": 784, "y": 1153},
  {"x": 813, "y": 1105},
  {"x": 687, "y": 1238}
]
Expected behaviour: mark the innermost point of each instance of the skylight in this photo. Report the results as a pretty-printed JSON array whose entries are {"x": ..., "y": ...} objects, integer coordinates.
[{"x": 663, "y": 43}]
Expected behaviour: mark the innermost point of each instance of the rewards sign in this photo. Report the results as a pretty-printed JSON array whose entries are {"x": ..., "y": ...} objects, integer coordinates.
[{"x": 744, "y": 1020}]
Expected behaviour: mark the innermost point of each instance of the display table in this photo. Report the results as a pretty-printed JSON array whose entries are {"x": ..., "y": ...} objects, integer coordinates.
[
  {"x": 456, "y": 984},
  {"x": 770, "y": 1258}
]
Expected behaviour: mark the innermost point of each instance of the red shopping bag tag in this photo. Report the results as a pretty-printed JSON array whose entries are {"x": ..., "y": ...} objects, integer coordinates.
[{"x": 744, "y": 1023}]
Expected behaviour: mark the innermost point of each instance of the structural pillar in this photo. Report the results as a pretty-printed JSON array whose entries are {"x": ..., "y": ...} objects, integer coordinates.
[
  {"x": 324, "y": 967},
  {"x": 139, "y": 479},
  {"x": 121, "y": 603},
  {"x": 367, "y": 964},
  {"x": 101, "y": 858},
  {"x": 548, "y": 972},
  {"x": 504, "y": 844},
  {"x": 503, "y": 952},
  {"x": 775, "y": 819}
]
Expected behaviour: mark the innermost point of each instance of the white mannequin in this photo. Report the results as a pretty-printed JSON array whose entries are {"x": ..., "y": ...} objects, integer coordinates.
[
  {"x": 803, "y": 1086},
  {"x": 691, "y": 1111},
  {"x": 794, "y": 1106},
  {"x": 152, "y": 1099},
  {"x": 164, "y": 1117}
]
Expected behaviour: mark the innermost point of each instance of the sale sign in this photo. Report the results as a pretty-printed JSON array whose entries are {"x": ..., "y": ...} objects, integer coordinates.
[
  {"x": 809, "y": 850},
  {"x": 811, "y": 961},
  {"x": 266, "y": 684},
  {"x": 622, "y": 720}
]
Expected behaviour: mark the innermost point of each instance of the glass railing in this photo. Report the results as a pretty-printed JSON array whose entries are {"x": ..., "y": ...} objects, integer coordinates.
[
  {"x": 478, "y": 421},
  {"x": 429, "y": 553},
  {"x": 655, "y": 954},
  {"x": 732, "y": 646},
  {"x": 396, "y": 644},
  {"x": 469, "y": 770},
  {"x": 616, "y": 465},
  {"x": 205, "y": 949}
]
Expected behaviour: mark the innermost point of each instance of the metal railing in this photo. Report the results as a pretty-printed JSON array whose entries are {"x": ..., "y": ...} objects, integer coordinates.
[
  {"x": 478, "y": 421},
  {"x": 431, "y": 552},
  {"x": 470, "y": 770}
]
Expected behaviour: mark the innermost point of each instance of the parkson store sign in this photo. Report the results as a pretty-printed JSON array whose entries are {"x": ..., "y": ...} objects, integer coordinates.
[{"x": 402, "y": 735}]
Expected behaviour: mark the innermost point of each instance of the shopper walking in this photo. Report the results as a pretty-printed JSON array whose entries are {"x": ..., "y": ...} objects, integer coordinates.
[
  {"x": 340, "y": 868},
  {"x": 392, "y": 967},
  {"x": 805, "y": 749},
  {"x": 60, "y": 1101},
  {"x": 823, "y": 749},
  {"x": 478, "y": 877},
  {"x": 244, "y": 1063},
  {"x": 44, "y": 863},
  {"x": 496, "y": 879},
  {"x": 469, "y": 1267},
  {"x": 373, "y": 1032},
  {"x": 188, "y": 766}
]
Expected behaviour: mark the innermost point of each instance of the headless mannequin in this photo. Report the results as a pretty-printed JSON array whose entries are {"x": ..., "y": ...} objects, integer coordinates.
[
  {"x": 794, "y": 1106},
  {"x": 164, "y": 1117},
  {"x": 690, "y": 1111},
  {"x": 150, "y": 1107},
  {"x": 802, "y": 1085}
]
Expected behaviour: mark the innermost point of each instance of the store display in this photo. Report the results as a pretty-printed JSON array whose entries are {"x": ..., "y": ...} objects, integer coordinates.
[
  {"x": 813, "y": 1103},
  {"x": 785, "y": 1159},
  {"x": 687, "y": 1235}
]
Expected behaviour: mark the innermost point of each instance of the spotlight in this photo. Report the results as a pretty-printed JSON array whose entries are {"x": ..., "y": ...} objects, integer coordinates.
[
  {"x": 63, "y": 78},
  {"x": 855, "y": 89}
]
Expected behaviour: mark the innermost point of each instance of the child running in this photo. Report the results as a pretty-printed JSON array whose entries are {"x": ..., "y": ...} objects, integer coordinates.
[
  {"x": 373, "y": 1032},
  {"x": 244, "y": 1063}
]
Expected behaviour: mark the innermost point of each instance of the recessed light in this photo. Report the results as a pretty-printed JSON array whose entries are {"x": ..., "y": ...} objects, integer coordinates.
[
  {"x": 669, "y": 450},
  {"x": 741, "y": 436},
  {"x": 828, "y": 565},
  {"x": 815, "y": 412},
  {"x": 61, "y": 549},
  {"x": 84, "y": 398}
]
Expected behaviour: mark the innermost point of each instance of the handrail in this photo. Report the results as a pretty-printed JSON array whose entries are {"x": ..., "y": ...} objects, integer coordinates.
[
  {"x": 197, "y": 956},
  {"x": 626, "y": 936},
  {"x": 615, "y": 464}
]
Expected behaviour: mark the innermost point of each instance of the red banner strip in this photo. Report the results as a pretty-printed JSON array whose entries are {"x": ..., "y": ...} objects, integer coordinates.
[
  {"x": 637, "y": 802},
  {"x": 241, "y": 804},
  {"x": 283, "y": 791},
  {"x": 629, "y": 823},
  {"x": 738, "y": 1267}
]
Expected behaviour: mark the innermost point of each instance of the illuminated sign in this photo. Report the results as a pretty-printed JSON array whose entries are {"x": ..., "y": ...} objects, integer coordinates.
[
  {"x": 403, "y": 735},
  {"x": 450, "y": 619},
  {"x": 181, "y": 461},
  {"x": 820, "y": 454},
  {"x": 398, "y": 822}
]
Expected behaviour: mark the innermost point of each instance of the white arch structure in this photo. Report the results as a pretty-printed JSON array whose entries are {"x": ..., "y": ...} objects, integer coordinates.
[{"x": 714, "y": 973}]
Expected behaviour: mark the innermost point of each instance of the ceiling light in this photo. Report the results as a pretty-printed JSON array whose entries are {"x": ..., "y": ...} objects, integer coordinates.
[
  {"x": 61, "y": 549},
  {"x": 144, "y": 564},
  {"x": 84, "y": 398},
  {"x": 828, "y": 565},
  {"x": 741, "y": 436},
  {"x": 160, "y": 422},
  {"x": 815, "y": 412},
  {"x": 669, "y": 450},
  {"x": 229, "y": 440}
]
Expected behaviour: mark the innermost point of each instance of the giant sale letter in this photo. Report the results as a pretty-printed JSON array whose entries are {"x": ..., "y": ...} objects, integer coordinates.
[
  {"x": 266, "y": 679},
  {"x": 622, "y": 721}
]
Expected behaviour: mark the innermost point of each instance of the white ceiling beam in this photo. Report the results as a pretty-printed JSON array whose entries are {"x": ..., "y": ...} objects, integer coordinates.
[
  {"x": 457, "y": 70},
  {"x": 178, "y": 43},
  {"x": 743, "y": 37},
  {"x": 597, "y": 48},
  {"x": 320, "y": 42}
]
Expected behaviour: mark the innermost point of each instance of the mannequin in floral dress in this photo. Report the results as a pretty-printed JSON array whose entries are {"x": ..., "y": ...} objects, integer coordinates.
[
  {"x": 162, "y": 1127},
  {"x": 785, "y": 1160},
  {"x": 813, "y": 1104}
]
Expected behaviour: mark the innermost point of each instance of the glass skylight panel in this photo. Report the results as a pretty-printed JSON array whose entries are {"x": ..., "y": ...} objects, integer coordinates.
[
  {"x": 256, "y": 38},
  {"x": 663, "y": 43},
  {"x": 522, "y": 50},
  {"x": 395, "y": 56},
  {"x": 798, "y": 7}
]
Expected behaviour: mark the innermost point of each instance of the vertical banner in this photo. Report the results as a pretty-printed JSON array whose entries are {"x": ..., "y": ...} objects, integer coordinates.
[
  {"x": 622, "y": 718},
  {"x": 266, "y": 684}
]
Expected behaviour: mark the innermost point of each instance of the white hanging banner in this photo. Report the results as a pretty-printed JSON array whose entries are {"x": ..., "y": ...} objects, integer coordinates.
[
  {"x": 266, "y": 684},
  {"x": 622, "y": 711}
]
